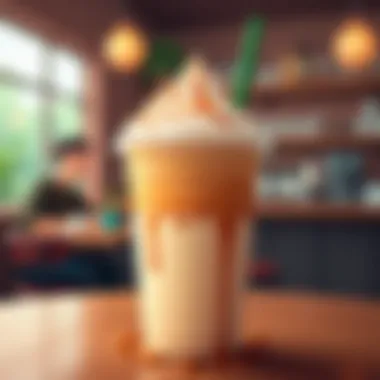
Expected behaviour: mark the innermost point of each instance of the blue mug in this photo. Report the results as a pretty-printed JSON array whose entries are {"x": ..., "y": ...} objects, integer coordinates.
[
  {"x": 111, "y": 219},
  {"x": 345, "y": 176}
]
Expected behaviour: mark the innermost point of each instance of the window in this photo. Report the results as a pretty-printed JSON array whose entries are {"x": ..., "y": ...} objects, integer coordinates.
[{"x": 41, "y": 89}]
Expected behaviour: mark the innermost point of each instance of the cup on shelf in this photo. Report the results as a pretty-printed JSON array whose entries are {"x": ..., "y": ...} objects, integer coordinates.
[
  {"x": 367, "y": 119},
  {"x": 310, "y": 175},
  {"x": 111, "y": 219},
  {"x": 371, "y": 193},
  {"x": 344, "y": 174}
]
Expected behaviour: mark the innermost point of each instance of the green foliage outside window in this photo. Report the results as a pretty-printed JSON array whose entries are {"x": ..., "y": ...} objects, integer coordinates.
[{"x": 33, "y": 119}]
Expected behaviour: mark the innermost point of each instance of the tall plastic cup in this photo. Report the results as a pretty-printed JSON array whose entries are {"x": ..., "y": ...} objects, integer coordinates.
[{"x": 193, "y": 201}]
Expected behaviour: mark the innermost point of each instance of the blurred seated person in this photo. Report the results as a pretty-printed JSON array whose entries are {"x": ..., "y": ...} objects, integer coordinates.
[
  {"x": 60, "y": 196},
  {"x": 61, "y": 211}
]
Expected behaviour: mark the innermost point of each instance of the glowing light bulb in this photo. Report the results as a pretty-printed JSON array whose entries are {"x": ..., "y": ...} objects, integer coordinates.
[
  {"x": 125, "y": 48},
  {"x": 354, "y": 45}
]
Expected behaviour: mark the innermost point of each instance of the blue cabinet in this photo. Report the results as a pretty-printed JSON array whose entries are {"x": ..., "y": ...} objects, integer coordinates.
[{"x": 337, "y": 256}]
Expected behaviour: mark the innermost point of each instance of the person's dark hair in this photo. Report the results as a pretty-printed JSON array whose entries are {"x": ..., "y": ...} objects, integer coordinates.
[{"x": 72, "y": 146}]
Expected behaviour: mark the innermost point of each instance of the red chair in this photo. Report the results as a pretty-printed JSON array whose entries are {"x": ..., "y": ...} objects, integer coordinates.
[
  {"x": 264, "y": 272},
  {"x": 26, "y": 251}
]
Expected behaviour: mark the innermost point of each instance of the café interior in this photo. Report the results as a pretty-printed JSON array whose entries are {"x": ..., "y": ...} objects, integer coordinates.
[
  {"x": 74, "y": 71},
  {"x": 70, "y": 72}
]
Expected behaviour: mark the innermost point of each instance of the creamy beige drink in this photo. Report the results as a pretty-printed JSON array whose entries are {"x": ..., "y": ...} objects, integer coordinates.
[{"x": 191, "y": 161}]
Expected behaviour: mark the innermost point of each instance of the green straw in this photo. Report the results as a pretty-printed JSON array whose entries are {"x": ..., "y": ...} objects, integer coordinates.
[{"x": 247, "y": 62}]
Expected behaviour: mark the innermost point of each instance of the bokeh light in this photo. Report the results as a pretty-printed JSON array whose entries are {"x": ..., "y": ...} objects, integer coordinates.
[
  {"x": 125, "y": 47},
  {"x": 354, "y": 45}
]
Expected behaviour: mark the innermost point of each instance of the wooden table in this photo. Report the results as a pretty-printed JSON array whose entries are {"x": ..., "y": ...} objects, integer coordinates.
[
  {"x": 97, "y": 237},
  {"x": 89, "y": 238},
  {"x": 77, "y": 337},
  {"x": 92, "y": 234}
]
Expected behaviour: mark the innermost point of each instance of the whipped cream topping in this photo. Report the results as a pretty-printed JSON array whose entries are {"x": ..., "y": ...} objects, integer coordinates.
[{"x": 192, "y": 106}]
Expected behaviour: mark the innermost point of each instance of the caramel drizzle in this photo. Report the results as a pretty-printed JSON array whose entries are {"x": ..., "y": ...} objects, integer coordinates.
[
  {"x": 227, "y": 232},
  {"x": 227, "y": 227},
  {"x": 154, "y": 252}
]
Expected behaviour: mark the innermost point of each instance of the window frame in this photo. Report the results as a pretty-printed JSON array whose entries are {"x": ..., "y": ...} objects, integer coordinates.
[
  {"x": 93, "y": 92},
  {"x": 43, "y": 86}
]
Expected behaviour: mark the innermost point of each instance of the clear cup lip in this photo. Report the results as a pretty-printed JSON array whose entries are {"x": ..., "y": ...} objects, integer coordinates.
[{"x": 193, "y": 131}]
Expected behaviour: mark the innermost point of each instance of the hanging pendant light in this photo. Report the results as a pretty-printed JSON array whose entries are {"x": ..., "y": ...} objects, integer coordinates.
[
  {"x": 125, "y": 47},
  {"x": 354, "y": 45}
]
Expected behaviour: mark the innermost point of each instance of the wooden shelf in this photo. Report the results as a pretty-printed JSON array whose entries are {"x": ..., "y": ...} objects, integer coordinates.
[
  {"x": 317, "y": 89},
  {"x": 322, "y": 143},
  {"x": 318, "y": 211}
]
